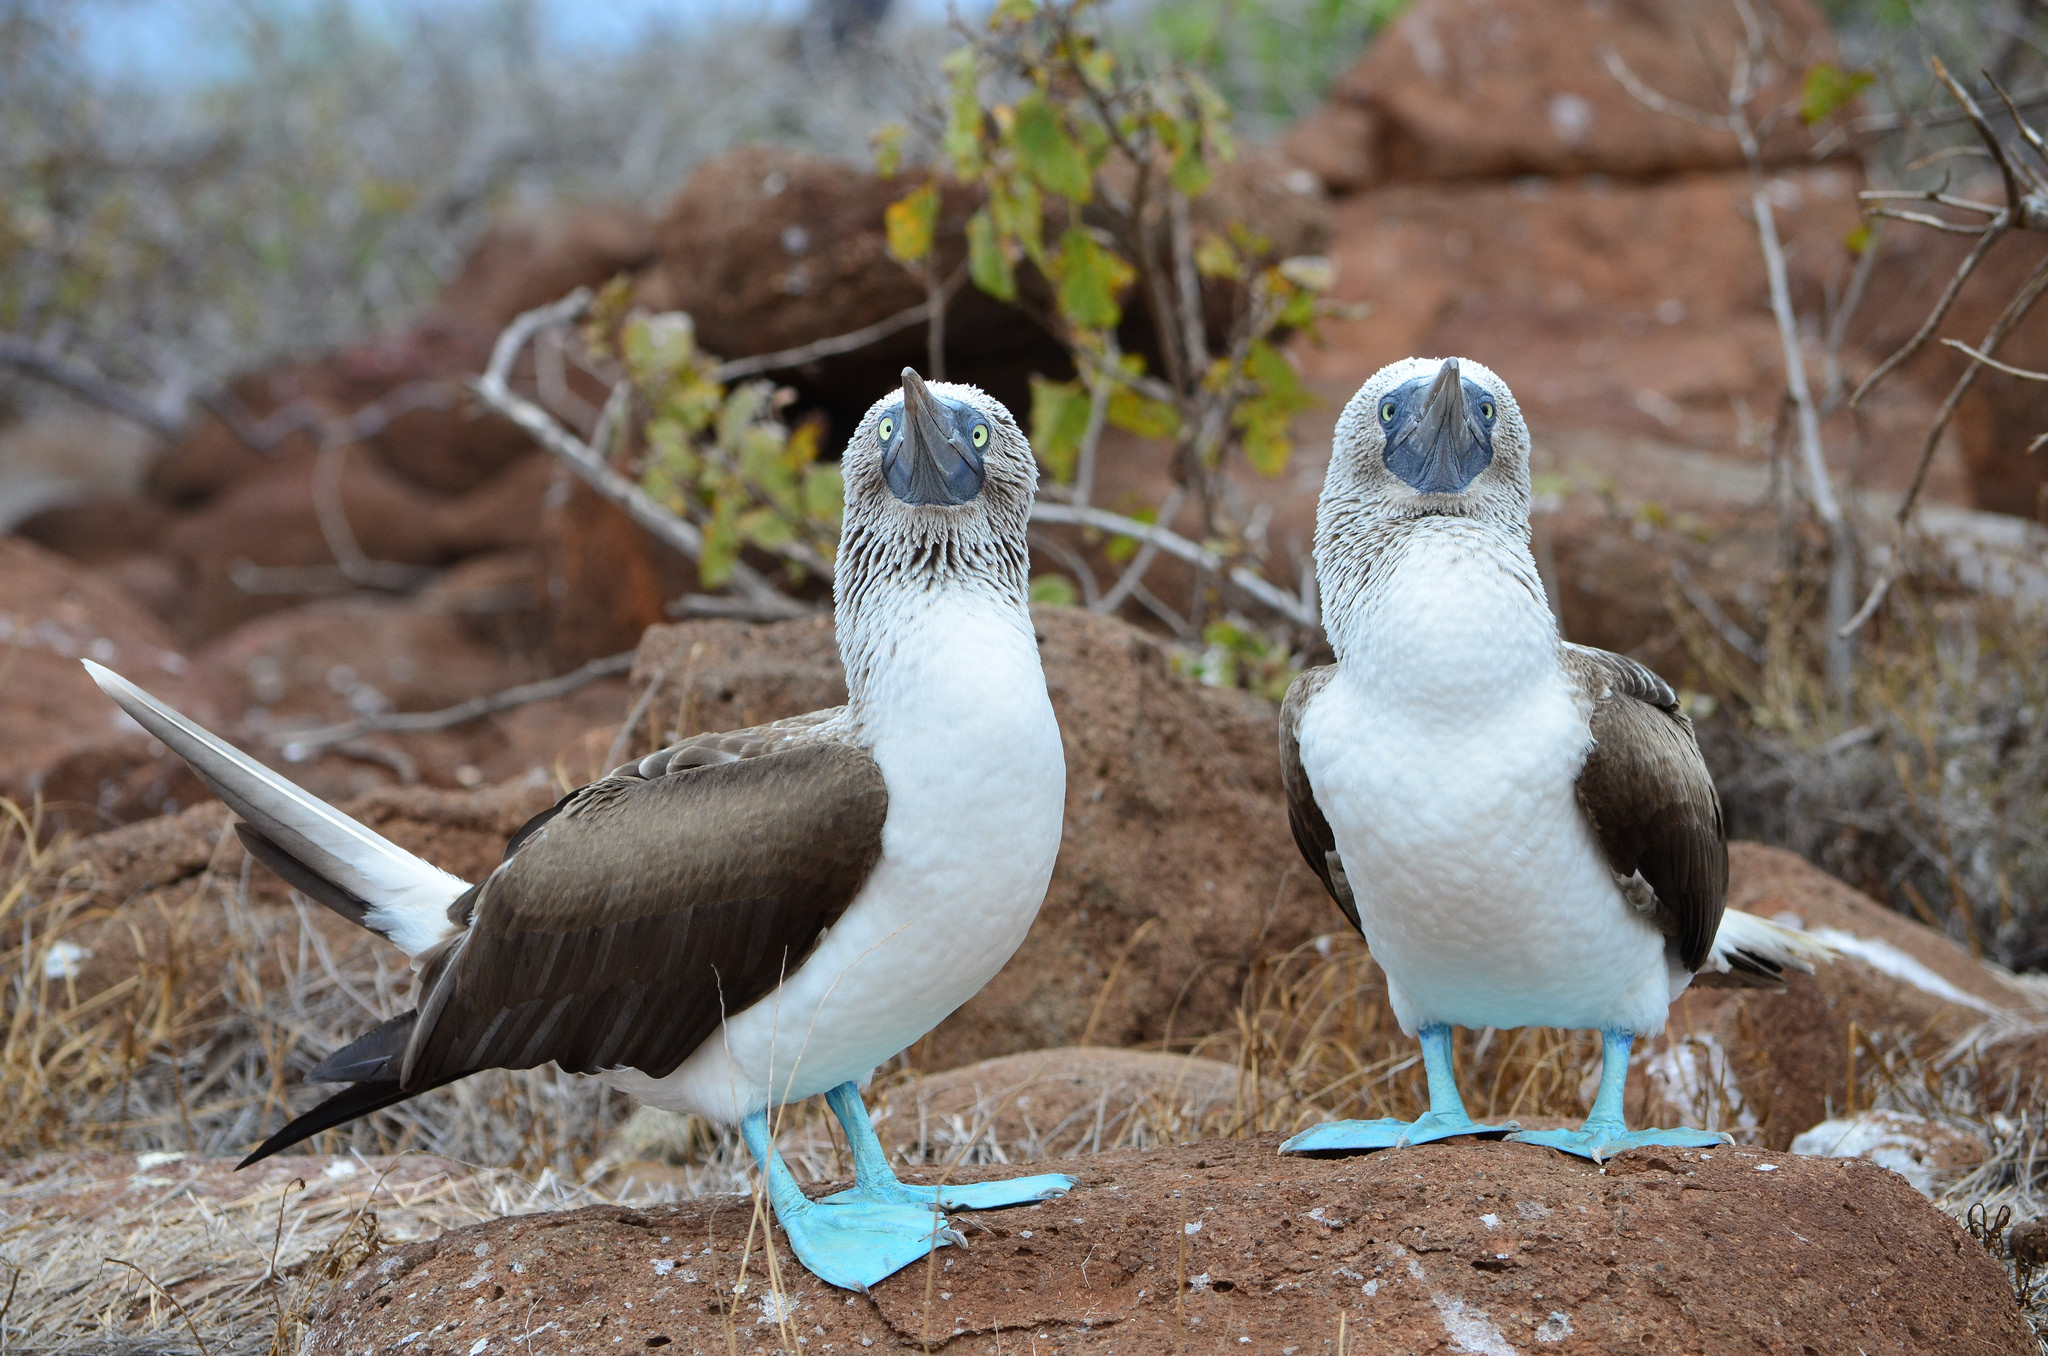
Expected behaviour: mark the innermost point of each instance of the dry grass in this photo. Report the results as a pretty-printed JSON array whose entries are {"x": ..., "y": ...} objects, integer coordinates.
[{"x": 1927, "y": 786}]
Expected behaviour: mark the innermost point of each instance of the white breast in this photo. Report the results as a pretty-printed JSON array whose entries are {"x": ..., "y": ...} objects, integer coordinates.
[
  {"x": 1443, "y": 754},
  {"x": 968, "y": 746}
]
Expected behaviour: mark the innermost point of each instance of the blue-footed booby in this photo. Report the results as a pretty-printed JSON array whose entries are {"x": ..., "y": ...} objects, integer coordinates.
[
  {"x": 1522, "y": 828},
  {"x": 742, "y": 920}
]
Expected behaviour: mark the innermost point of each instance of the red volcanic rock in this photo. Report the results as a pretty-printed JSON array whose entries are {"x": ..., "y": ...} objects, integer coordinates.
[
  {"x": 1491, "y": 89},
  {"x": 1221, "y": 1246}
]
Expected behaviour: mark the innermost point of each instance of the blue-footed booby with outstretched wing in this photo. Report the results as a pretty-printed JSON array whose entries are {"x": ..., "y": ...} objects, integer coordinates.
[
  {"x": 743, "y": 920},
  {"x": 1522, "y": 828}
]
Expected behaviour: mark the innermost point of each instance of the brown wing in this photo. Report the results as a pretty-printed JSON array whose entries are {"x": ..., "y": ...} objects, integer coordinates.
[
  {"x": 699, "y": 750},
  {"x": 1647, "y": 792},
  {"x": 1311, "y": 830},
  {"x": 624, "y": 928}
]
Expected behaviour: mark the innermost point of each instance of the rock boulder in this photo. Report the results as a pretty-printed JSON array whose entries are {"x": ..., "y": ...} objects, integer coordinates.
[{"x": 1222, "y": 1246}]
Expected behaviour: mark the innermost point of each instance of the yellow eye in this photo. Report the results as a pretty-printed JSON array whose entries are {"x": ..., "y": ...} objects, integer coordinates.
[
  {"x": 1486, "y": 409},
  {"x": 1387, "y": 413},
  {"x": 887, "y": 428},
  {"x": 980, "y": 435}
]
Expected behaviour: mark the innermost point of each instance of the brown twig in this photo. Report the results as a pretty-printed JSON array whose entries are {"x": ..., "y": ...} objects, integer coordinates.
[
  {"x": 2022, "y": 373},
  {"x": 190, "y": 1326}
]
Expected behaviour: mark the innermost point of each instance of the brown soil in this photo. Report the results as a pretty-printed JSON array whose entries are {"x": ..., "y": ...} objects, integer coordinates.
[{"x": 1222, "y": 1246}]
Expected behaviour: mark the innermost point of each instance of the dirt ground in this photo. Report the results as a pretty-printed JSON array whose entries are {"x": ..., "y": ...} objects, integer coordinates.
[{"x": 1224, "y": 1246}]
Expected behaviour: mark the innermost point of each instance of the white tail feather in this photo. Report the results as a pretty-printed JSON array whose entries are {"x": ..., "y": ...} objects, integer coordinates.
[
  {"x": 1768, "y": 941},
  {"x": 408, "y": 897}
]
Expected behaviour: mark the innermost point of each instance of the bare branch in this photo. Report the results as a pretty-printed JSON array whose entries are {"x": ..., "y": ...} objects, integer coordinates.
[
  {"x": 1074, "y": 563},
  {"x": 164, "y": 417},
  {"x": 2022, "y": 373},
  {"x": 1656, "y": 102},
  {"x": 2027, "y": 133},
  {"x": 2015, "y": 310},
  {"x": 1992, "y": 232},
  {"x": 849, "y": 342},
  {"x": 1929, "y": 195},
  {"x": 493, "y": 390},
  {"x": 1190, "y": 283},
  {"x": 1134, "y": 573},
  {"x": 1923, "y": 219},
  {"x": 1893, "y": 122},
  {"x": 300, "y": 745},
  {"x": 1286, "y": 604}
]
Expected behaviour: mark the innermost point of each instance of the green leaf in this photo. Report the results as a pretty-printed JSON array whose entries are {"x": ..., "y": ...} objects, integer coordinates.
[
  {"x": 1054, "y": 590},
  {"x": 1045, "y": 150},
  {"x": 656, "y": 347},
  {"x": 1264, "y": 418},
  {"x": 1190, "y": 173},
  {"x": 962, "y": 139},
  {"x": 1012, "y": 12},
  {"x": 888, "y": 143},
  {"x": 911, "y": 222},
  {"x": 1059, "y": 420},
  {"x": 1019, "y": 214},
  {"x": 721, "y": 548},
  {"x": 765, "y": 527},
  {"x": 1145, "y": 417},
  {"x": 988, "y": 263},
  {"x": 825, "y": 493},
  {"x": 1091, "y": 278},
  {"x": 1828, "y": 87},
  {"x": 1119, "y": 549},
  {"x": 1214, "y": 258}
]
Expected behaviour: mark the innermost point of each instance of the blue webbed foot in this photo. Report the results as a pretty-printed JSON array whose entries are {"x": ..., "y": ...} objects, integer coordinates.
[
  {"x": 1605, "y": 1133},
  {"x": 964, "y": 1195},
  {"x": 876, "y": 1181},
  {"x": 1600, "y": 1140},
  {"x": 856, "y": 1243},
  {"x": 1350, "y": 1137}
]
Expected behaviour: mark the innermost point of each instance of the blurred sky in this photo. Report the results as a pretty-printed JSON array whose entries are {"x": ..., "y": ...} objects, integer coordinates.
[{"x": 176, "y": 42}]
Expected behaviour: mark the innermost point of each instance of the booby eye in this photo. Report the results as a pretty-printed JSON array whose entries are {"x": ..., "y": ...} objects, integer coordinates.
[
  {"x": 1387, "y": 412},
  {"x": 980, "y": 435},
  {"x": 1486, "y": 410},
  {"x": 887, "y": 428}
]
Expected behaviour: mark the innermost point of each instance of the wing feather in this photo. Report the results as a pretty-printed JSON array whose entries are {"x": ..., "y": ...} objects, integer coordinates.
[
  {"x": 1646, "y": 790},
  {"x": 1312, "y": 833},
  {"x": 624, "y": 928}
]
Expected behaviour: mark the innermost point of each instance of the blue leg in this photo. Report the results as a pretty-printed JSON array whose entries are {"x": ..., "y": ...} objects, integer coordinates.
[
  {"x": 875, "y": 1182},
  {"x": 1446, "y": 1115},
  {"x": 1605, "y": 1131},
  {"x": 852, "y": 1245}
]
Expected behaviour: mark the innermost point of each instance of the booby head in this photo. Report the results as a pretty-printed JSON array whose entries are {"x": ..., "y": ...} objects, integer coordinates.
[
  {"x": 939, "y": 483},
  {"x": 1425, "y": 436},
  {"x": 937, "y": 452}
]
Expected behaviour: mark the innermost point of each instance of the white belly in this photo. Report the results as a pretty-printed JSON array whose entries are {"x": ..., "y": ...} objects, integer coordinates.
[
  {"x": 971, "y": 754},
  {"x": 1480, "y": 887},
  {"x": 1443, "y": 753}
]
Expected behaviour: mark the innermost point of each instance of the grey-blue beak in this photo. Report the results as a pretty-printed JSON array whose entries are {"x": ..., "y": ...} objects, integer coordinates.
[
  {"x": 931, "y": 461},
  {"x": 1446, "y": 445}
]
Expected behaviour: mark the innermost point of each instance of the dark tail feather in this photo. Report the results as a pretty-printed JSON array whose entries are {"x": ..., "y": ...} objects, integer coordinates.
[
  {"x": 344, "y": 1106},
  {"x": 358, "y": 1100},
  {"x": 301, "y": 877},
  {"x": 373, "y": 1058}
]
